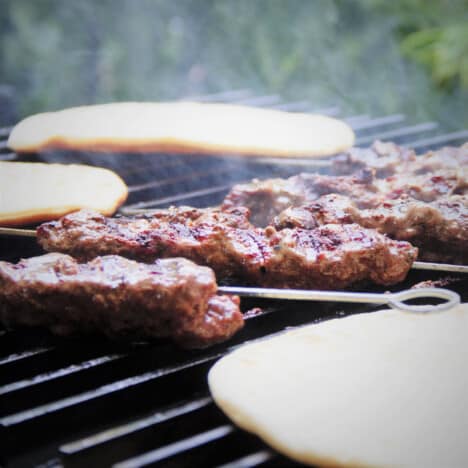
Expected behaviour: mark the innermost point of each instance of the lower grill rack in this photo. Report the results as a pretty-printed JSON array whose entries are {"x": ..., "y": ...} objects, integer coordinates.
[
  {"x": 89, "y": 402},
  {"x": 201, "y": 432},
  {"x": 74, "y": 403},
  {"x": 85, "y": 402}
]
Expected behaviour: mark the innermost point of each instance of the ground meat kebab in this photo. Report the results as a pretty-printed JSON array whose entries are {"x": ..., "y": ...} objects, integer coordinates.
[
  {"x": 121, "y": 298},
  {"x": 328, "y": 257}
]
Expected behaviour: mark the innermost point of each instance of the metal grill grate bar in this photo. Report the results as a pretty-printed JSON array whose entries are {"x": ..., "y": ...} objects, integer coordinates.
[
  {"x": 354, "y": 119},
  {"x": 5, "y": 132},
  {"x": 176, "y": 180},
  {"x": 439, "y": 140},
  {"x": 297, "y": 106},
  {"x": 23, "y": 355},
  {"x": 380, "y": 121},
  {"x": 8, "y": 156},
  {"x": 92, "y": 409},
  {"x": 176, "y": 198},
  {"x": 165, "y": 426},
  {"x": 116, "y": 433},
  {"x": 223, "y": 96},
  {"x": 97, "y": 393},
  {"x": 29, "y": 392},
  {"x": 333, "y": 111},
  {"x": 260, "y": 101},
  {"x": 168, "y": 451},
  {"x": 254, "y": 459},
  {"x": 398, "y": 133}
]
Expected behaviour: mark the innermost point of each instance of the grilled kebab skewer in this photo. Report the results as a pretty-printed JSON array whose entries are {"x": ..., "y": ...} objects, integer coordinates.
[
  {"x": 421, "y": 199},
  {"x": 267, "y": 198},
  {"x": 118, "y": 297},
  {"x": 384, "y": 171},
  {"x": 439, "y": 229},
  {"x": 329, "y": 257},
  {"x": 227, "y": 241},
  {"x": 173, "y": 298},
  {"x": 330, "y": 209},
  {"x": 387, "y": 159}
]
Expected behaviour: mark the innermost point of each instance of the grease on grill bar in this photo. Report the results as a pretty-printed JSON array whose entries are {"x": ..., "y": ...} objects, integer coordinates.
[{"x": 91, "y": 403}]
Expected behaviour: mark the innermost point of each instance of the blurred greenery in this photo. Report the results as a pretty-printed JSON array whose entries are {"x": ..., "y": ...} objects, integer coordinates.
[
  {"x": 444, "y": 50},
  {"x": 372, "y": 56},
  {"x": 434, "y": 33}
]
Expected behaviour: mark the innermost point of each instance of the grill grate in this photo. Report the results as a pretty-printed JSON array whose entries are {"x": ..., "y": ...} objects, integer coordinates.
[{"x": 87, "y": 402}]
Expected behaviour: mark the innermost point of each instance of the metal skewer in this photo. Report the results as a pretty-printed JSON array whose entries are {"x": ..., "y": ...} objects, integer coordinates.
[
  {"x": 429, "y": 266},
  {"x": 394, "y": 300},
  {"x": 440, "y": 267},
  {"x": 292, "y": 161},
  {"x": 4, "y": 231}
]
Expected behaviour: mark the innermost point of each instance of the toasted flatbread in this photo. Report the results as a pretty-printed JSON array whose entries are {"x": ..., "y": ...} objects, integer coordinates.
[
  {"x": 35, "y": 192},
  {"x": 181, "y": 127},
  {"x": 386, "y": 389}
]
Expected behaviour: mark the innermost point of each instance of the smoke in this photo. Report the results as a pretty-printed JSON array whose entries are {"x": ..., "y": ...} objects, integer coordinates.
[{"x": 57, "y": 54}]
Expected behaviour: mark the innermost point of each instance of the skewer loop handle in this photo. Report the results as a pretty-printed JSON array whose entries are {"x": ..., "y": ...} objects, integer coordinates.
[{"x": 397, "y": 300}]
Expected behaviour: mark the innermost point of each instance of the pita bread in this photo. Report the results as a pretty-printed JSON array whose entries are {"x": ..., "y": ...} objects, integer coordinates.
[
  {"x": 36, "y": 192},
  {"x": 182, "y": 127},
  {"x": 379, "y": 389}
]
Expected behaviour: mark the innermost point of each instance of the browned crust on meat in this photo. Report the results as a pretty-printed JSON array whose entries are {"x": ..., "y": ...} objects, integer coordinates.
[
  {"x": 329, "y": 257},
  {"x": 421, "y": 199},
  {"x": 119, "y": 298},
  {"x": 439, "y": 229}
]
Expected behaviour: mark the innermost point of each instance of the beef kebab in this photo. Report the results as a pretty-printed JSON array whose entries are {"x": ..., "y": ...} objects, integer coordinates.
[
  {"x": 120, "y": 298},
  {"x": 332, "y": 256},
  {"x": 423, "y": 199},
  {"x": 426, "y": 180},
  {"x": 178, "y": 299},
  {"x": 439, "y": 229},
  {"x": 325, "y": 245},
  {"x": 387, "y": 159}
]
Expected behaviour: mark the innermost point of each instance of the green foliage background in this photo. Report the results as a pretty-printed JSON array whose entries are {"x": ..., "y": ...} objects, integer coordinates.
[{"x": 372, "y": 56}]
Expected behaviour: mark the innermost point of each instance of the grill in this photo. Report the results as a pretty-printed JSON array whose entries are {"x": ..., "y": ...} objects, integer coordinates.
[{"x": 86, "y": 402}]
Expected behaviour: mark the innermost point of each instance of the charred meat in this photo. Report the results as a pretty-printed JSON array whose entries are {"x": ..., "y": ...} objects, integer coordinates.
[
  {"x": 399, "y": 172},
  {"x": 267, "y": 198},
  {"x": 202, "y": 237},
  {"x": 384, "y": 172},
  {"x": 386, "y": 159},
  {"x": 118, "y": 297},
  {"x": 421, "y": 199},
  {"x": 328, "y": 257},
  {"x": 439, "y": 229}
]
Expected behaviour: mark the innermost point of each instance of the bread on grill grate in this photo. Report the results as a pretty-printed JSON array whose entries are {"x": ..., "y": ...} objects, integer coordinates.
[
  {"x": 387, "y": 388},
  {"x": 183, "y": 127},
  {"x": 35, "y": 192}
]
